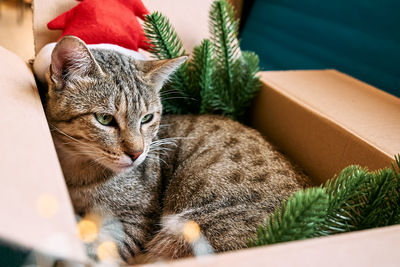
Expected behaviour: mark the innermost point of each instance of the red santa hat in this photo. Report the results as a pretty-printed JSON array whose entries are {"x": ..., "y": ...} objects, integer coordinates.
[
  {"x": 101, "y": 24},
  {"x": 104, "y": 21}
]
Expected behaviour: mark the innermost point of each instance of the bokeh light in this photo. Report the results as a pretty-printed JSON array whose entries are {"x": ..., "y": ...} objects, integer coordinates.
[
  {"x": 191, "y": 231},
  {"x": 47, "y": 205},
  {"x": 107, "y": 251},
  {"x": 87, "y": 230}
]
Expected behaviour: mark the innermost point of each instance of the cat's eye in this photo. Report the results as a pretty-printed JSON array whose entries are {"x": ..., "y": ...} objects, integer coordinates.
[
  {"x": 105, "y": 119},
  {"x": 147, "y": 118}
]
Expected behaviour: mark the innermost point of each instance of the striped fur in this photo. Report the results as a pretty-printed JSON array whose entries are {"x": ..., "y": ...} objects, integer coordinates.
[{"x": 207, "y": 169}]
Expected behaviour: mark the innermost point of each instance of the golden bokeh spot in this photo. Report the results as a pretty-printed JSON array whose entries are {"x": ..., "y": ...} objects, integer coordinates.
[
  {"x": 47, "y": 205},
  {"x": 87, "y": 230},
  {"x": 107, "y": 250},
  {"x": 191, "y": 231}
]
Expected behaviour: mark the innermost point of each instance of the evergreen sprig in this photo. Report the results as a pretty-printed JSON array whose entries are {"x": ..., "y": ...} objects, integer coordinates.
[
  {"x": 224, "y": 30},
  {"x": 203, "y": 69},
  {"x": 247, "y": 85},
  {"x": 354, "y": 200},
  {"x": 218, "y": 78},
  {"x": 164, "y": 43},
  {"x": 305, "y": 210}
]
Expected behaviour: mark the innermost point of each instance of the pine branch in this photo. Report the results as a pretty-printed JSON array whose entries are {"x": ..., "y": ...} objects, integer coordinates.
[
  {"x": 165, "y": 44},
  {"x": 164, "y": 41},
  {"x": 395, "y": 219},
  {"x": 360, "y": 200},
  {"x": 343, "y": 194},
  {"x": 356, "y": 200},
  {"x": 224, "y": 30},
  {"x": 377, "y": 208},
  {"x": 219, "y": 79},
  {"x": 202, "y": 67},
  {"x": 298, "y": 218},
  {"x": 247, "y": 83}
]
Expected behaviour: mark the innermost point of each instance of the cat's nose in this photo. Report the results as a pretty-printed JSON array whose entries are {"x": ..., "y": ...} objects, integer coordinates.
[{"x": 134, "y": 154}]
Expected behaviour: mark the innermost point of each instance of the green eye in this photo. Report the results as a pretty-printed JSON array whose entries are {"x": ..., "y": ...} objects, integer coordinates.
[
  {"x": 147, "y": 118},
  {"x": 104, "y": 119}
]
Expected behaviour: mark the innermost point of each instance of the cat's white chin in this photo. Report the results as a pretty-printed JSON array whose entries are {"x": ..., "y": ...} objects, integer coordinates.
[
  {"x": 125, "y": 164},
  {"x": 121, "y": 168}
]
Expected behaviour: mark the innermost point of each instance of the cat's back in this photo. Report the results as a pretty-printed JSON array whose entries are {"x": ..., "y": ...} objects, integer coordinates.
[
  {"x": 215, "y": 157},
  {"x": 223, "y": 176}
]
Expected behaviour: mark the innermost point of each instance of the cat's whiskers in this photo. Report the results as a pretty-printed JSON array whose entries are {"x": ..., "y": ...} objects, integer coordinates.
[
  {"x": 97, "y": 161},
  {"x": 160, "y": 145},
  {"x": 87, "y": 151},
  {"x": 160, "y": 149},
  {"x": 155, "y": 157},
  {"x": 179, "y": 97},
  {"x": 67, "y": 135},
  {"x": 169, "y": 92}
]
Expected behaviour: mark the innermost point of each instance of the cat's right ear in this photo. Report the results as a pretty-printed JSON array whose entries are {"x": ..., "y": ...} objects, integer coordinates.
[
  {"x": 157, "y": 72},
  {"x": 71, "y": 58}
]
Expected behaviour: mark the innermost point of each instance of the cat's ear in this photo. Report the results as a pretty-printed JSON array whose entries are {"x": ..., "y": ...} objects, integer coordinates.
[
  {"x": 71, "y": 58},
  {"x": 157, "y": 72}
]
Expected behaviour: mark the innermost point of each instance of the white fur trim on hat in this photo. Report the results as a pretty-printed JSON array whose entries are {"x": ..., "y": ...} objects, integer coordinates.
[{"x": 43, "y": 58}]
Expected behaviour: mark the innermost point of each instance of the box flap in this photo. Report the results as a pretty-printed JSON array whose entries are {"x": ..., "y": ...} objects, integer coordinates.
[
  {"x": 37, "y": 212},
  {"x": 376, "y": 247},
  {"x": 326, "y": 120}
]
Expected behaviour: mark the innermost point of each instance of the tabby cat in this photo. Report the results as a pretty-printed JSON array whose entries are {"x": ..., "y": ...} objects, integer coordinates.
[{"x": 147, "y": 176}]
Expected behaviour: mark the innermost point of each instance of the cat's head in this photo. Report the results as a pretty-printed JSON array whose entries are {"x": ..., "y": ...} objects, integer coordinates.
[{"x": 103, "y": 106}]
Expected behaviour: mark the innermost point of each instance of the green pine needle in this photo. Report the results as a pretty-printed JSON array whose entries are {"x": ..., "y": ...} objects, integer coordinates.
[
  {"x": 247, "y": 83},
  {"x": 165, "y": 44},
  {"x": 298, "y": 218},
  {"x": 356, "y": 199},
  {"x": 343, "y": 192},
  {"x": 219, "y": 78},
  {"x": 224, "y": 31},
  {"x": 236, "y": 82},
  {"x": 202, "y": 68},
  {"x": 164, "y": 41}
]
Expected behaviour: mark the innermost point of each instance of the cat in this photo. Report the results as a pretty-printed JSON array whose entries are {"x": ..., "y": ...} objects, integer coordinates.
[{"x": 154, "y": 174}]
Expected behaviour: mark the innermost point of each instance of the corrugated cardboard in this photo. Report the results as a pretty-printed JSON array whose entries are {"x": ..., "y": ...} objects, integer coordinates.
[
  {"x": 34, "y": 202},
  {"x": 326, "y": 120},
  {"x": 371, "y": 248}
]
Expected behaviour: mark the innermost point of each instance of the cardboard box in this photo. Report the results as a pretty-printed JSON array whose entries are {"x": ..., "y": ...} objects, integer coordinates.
[
  {"x": 324, "y": 120},
  {"x": 36, "y": 208},
  {"x": 31, "y": 177}
]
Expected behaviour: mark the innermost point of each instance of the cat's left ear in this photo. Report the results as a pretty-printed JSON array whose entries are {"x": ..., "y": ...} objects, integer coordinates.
[
  {"x": 71, "y": 58},
  {"x": 158, "y": 71}
]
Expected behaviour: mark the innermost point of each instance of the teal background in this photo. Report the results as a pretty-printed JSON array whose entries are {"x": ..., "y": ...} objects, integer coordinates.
[
  {"x": 11, "y": 255},
  {"x": 358, "y": 37}
]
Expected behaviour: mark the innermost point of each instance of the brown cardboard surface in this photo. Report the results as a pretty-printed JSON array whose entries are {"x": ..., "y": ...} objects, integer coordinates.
[
  {"x": 43, "y": 12},
  {"x": 238, "y": 4},
  {"x": 189, "y": 17},
  {"x": 34, "y": 203},
  {"x": 326, "y": 120},
  {"x": 370, "y": 248}
]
